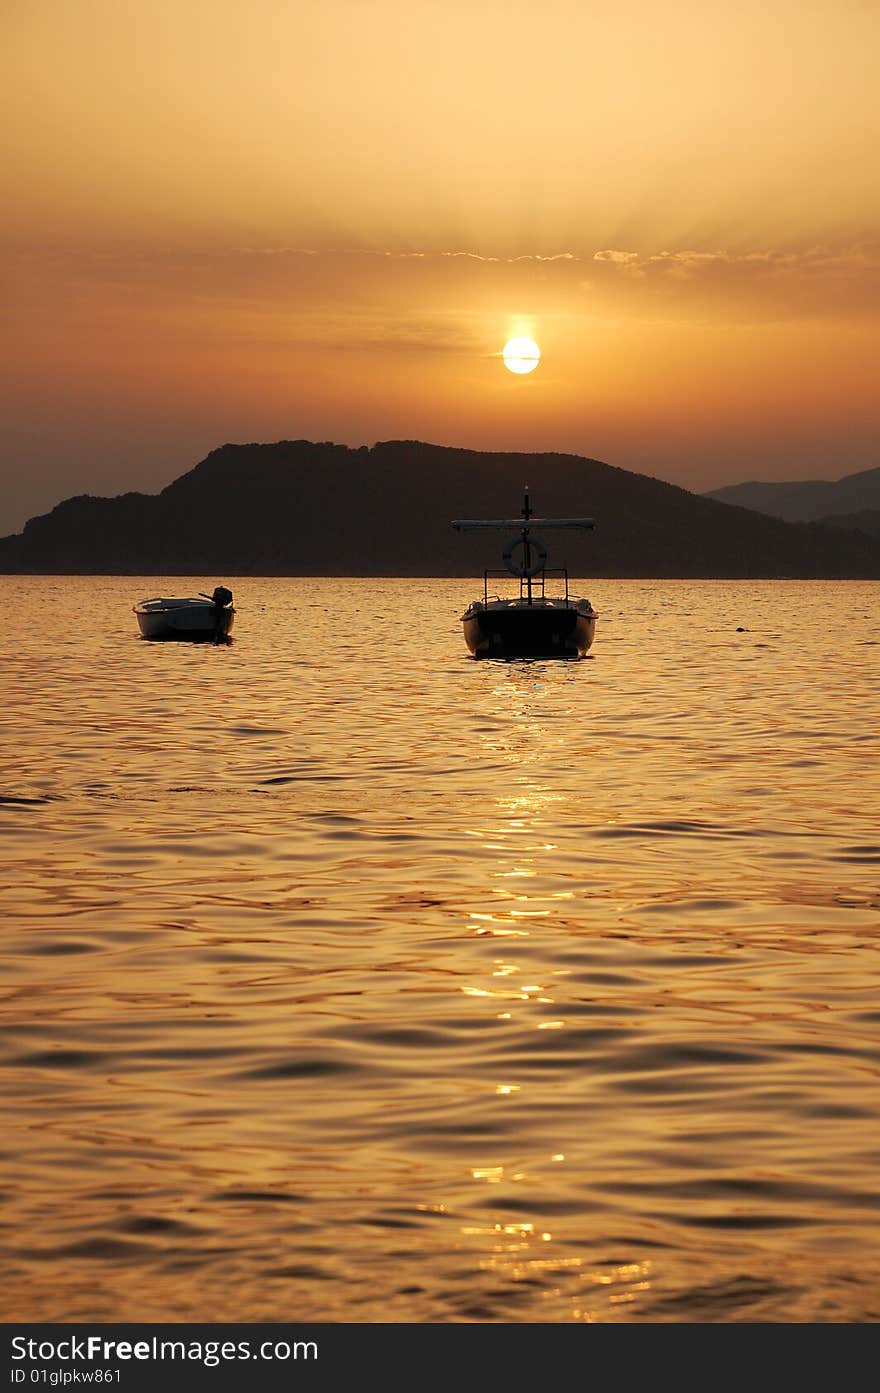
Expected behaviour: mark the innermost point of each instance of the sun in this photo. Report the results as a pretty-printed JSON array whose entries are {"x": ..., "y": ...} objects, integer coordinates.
[{"x": 521, "y": 355}]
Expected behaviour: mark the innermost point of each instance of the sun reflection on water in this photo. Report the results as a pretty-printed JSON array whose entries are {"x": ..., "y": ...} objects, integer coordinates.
[{"x": 517, "y": 1252}]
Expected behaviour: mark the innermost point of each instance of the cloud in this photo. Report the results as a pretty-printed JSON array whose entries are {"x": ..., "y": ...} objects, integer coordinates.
[
  {"x": 513, "y": 260},
  {"x": 761, "y": 283},
  {"x": 617, "y": 258},
  {"x": 204, "y": 290}
]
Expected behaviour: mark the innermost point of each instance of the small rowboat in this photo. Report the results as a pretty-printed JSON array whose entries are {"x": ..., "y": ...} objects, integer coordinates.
[{"x": 198, "y": 618}]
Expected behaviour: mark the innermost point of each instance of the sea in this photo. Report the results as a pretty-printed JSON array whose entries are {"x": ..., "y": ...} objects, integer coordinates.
[{"x": 347, "y": 978}]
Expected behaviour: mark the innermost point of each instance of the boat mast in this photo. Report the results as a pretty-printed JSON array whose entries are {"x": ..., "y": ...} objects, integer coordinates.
[
  {"x": 523, "y": 524},
  {"x": 527, "y": 556}
]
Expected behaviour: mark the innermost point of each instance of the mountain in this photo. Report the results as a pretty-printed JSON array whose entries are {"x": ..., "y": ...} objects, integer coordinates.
[
  {"x": 299, "y": 508},
  {"x": 867, "y": 520},
  {"x": 809, "y": 500}
]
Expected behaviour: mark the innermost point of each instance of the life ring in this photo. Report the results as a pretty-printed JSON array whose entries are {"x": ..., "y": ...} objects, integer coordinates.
[{"x": 537, "y": 550}]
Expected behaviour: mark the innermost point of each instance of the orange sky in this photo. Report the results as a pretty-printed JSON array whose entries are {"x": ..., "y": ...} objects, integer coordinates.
[{"x": 323, "y": 218}]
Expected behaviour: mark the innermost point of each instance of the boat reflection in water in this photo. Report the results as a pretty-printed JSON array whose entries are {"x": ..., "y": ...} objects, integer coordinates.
[{"x": 533, "y": 624}]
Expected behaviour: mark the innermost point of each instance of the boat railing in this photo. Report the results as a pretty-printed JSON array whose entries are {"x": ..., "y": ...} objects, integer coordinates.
[{"x": 530, "y": 587}]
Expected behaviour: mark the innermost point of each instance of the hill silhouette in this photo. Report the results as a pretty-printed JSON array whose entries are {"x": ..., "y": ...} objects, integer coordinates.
[
  {"x": 303, "y": 508},
  {"x": 867, "y": 520},
  {"x": 808, "y": 500}
]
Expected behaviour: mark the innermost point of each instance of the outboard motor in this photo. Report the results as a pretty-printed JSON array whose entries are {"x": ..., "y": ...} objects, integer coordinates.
[{"x": 222, "y": 599}]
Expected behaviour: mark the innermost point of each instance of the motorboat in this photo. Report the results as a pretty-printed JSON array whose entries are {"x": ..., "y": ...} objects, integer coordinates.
[
  {"x": 535, "y": 623},
  {"x": 198, "y": 618}
]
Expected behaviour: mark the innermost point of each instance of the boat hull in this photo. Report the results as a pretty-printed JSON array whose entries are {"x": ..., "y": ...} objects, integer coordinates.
[
  {"x": 189, "y": 623},
  {"x": 528, "y": 631}
]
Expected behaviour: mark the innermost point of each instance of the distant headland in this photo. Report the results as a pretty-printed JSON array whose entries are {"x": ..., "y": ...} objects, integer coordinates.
[
  {"x": 304, "y": 508},
  {"x": 852, "y": 502}
]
